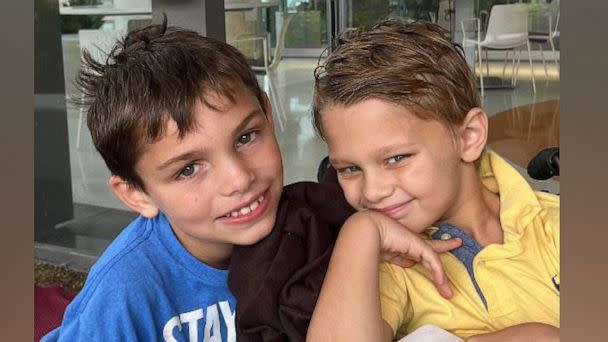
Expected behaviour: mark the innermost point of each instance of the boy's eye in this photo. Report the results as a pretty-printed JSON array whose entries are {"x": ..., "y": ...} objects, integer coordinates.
[
  {"x": 348, "y": 169},
  {"x": 246, "y": 138},
  {"x": 397, "y": 158},
  {"x": 188, "y": 171}
]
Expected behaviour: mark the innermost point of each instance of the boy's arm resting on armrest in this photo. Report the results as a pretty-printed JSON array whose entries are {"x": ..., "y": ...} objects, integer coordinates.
[
  {"x": 539, "y": 332},
  {"x": 348, "y": 308}
]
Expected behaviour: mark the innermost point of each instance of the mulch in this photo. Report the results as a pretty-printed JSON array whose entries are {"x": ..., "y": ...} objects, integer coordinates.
[
  {"x": 55, "y": 286},
  {"x": 46, "y": 274}
]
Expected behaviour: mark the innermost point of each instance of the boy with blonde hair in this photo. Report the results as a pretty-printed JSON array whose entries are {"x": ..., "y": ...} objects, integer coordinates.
[{"x": 399, "y": 110}]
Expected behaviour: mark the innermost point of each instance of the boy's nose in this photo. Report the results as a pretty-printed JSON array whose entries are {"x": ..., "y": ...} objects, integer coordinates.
[
  {"x": 237, "y": 177},
  {"x": 376, "y": 187}
]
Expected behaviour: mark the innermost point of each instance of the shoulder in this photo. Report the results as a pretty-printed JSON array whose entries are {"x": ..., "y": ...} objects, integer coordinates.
[
  {"x": 119, "y": 294},
  {"x": 393, "y": 278},
  {"x": 311, "y": 191},
  {"x": 550, "y": 215},
  {"x": 550, "y": 212},
  {"x": 106, "y": 308},
  {"x": 123, "y": 269},
  {"x": 323, "y": 200},
  {"x": 138, "y": 289},
  {"x": 549, "y": 202}
]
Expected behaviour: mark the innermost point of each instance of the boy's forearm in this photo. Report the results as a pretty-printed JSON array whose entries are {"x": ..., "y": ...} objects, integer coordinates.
[{"x": 348, "y": 308}]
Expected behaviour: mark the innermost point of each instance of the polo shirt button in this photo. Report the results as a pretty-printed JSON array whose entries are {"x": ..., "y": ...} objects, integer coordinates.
[{"x": 445, "y": 236}]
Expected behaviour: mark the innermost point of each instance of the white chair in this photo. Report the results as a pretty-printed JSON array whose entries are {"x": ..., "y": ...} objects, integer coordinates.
[
  {"x": 270, "y": 64},
  {"x": 98, "y": 43},
  {"x": 507, "y": 30},
  {"x": 541, "y": 38}
]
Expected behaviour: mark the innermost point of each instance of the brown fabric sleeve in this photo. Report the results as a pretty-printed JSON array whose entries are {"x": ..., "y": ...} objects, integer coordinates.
[{"x": 277, "y": 281}]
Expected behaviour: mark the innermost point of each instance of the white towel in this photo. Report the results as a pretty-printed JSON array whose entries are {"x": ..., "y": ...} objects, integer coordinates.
[{"x": 430, "y": 333}]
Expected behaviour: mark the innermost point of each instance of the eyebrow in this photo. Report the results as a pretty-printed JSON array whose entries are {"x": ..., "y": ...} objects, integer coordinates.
[
  {"x": 392, "y": 148},
  {"x": 187, "y": 156},
  {"x": 190, "y": 155},
  {"x": 333, "y": 162},
  {"x": 252, "y": 115}
]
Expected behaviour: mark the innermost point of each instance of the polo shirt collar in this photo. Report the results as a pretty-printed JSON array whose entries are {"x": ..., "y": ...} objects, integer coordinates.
[{"x": 518, "y": 202}]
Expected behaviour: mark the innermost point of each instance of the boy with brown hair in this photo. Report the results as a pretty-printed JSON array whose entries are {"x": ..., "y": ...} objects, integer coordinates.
[
  {"x": 399, "y": 110},
  {"x": 188, "y": 136}
]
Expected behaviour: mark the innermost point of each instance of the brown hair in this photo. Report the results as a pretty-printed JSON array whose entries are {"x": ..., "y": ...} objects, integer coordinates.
[
  {"x": 154, "y": 75},
  {"x": 411, "y": 64}
]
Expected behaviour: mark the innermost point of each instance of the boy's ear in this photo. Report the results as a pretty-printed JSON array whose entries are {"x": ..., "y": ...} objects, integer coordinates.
[
  {"x": 473, "y": 135},
  {"x": 133, "y": 197},
  {"x": 267, "y": 107}
]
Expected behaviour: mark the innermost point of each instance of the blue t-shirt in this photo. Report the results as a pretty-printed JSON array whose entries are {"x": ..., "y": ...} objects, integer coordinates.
[{"x": 147, "y": 287}]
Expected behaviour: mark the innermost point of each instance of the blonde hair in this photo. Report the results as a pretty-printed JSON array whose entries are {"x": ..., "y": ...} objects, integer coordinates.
[{"x": 411, "y": 64}]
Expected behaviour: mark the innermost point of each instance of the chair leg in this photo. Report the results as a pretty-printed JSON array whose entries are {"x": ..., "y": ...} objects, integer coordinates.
[
  {"x": 276, "y": 101},
  {"x": 531, "y": 67},
  {"x": 481, "y": 71},
  {"x": 513, "y": 69},
  {"x": 542, "y": 56},
  {"x": 504, "y": 63},
  {"x": 84, "y": 182},
  {"x": 79, "y": 128},
  {"x": 554, "y": 54},
  {"x": 80, "y": 117},
  {"x": 268, "y": 47},
  {"x": 265, "y": 53},
  {"x": 517, "y": 68},
  {"x": 280, "y": 44},
  {"x": 487, "y": 64}
]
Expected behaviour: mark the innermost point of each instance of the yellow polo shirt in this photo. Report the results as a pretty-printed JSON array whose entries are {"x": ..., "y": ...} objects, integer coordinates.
[{"x": 519, "y": 279}]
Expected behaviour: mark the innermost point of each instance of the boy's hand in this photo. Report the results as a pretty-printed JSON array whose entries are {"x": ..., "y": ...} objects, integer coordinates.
[
  {"x": 538, "y": 332},
  {"x": 402, "y": 247},
  {"x": 348, "y": 308},
  {"x": 439, "y": 246}
]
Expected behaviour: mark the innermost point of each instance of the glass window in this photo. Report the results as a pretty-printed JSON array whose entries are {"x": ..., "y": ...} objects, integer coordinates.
[{"x": 75, "y": 181}]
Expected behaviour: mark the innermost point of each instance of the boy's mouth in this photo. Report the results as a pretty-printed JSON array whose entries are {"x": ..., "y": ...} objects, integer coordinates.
[
  {"x": 249, "y": 211},
  {"x": 393, "y": 211},
  {"x": 246, "y": 209}
]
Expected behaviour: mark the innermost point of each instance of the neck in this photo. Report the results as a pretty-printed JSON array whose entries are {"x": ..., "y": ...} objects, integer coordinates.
[
  {"x": 216, "y": 255},
  {"x": 219, "y": 260},
  {"x": 476, "y": 211}
]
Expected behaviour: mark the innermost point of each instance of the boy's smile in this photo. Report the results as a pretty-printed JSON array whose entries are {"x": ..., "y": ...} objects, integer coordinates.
[
  {"x": 219, "y": 184},
  {"x": 393, "y": 162},
  {"x": 394, "y": 211},
  {"x": 248, "y": 211}
]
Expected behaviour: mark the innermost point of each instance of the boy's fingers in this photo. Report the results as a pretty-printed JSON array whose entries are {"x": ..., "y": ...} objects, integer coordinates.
[
  {"x": 432, "y": 262},
  {"x": 401, "y": 260},
  {"x": 442, "y": 246}
]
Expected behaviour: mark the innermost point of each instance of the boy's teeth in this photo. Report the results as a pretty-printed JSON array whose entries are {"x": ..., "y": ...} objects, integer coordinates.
[{"x": 246, "y": 210}]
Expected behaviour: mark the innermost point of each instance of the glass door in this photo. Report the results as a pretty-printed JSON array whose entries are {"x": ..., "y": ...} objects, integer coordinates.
[
  {"x": 348, "y": 13},
  {"x": 307, "y": 34}
]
